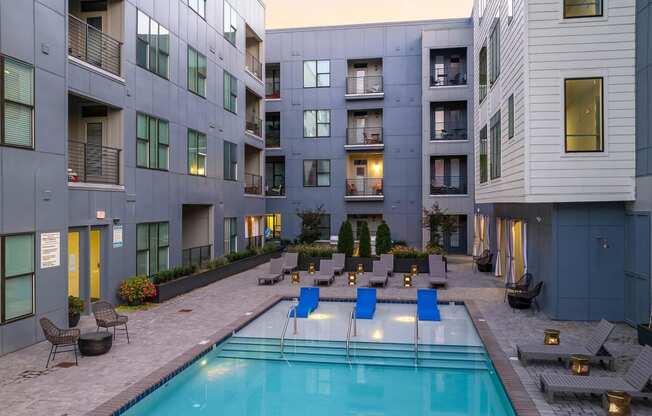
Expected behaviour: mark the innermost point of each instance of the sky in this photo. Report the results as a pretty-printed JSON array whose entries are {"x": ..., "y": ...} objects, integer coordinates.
[{"x": 304, "y": 13}]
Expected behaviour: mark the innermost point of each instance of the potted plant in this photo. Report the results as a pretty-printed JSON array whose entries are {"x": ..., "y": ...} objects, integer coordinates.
[
  {"x": 136, "y": 290},
  {"x": 645, "y": 333},
  {"x": 75, "y": 309}
]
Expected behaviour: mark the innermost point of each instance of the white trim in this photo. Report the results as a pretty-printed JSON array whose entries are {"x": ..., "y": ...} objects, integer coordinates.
[
  {"x": 364, "y": 96},
  {"x": 260, "y": 80},
  {"x": 251, "y": 134},
  {"x": 99, "y": 71},
  {"x": 96, "y": 186}
]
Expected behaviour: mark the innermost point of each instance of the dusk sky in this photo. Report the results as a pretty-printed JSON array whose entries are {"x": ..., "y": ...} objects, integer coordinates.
[{"x": 302, "y": 13}]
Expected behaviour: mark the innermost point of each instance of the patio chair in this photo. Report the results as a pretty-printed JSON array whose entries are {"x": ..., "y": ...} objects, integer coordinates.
[
  {"x": 388, "y": 261},
  {"x": 483, "y": 261},
  {"x": 524, "y": 300},
  {"x": 325, "y": 275},
  {"x": 378, "y": 276},
  {"x": 291, "y": 261},
  {"x": 522, "y": 285},
  {"x": 436, "y": 271},
  {"x": 106, "y": 317},
  {"x": 59, "y": 338},
  {"x": 365, "y": 304},
  {"x": 338, "y": 262},
  {"x": 275, "y": 273},
  {"x": 593, "y": 348},
  {"x": 308, "y": 302},
  {"x": 633, "y": 382},
  {"x": 427, "y": 307}
]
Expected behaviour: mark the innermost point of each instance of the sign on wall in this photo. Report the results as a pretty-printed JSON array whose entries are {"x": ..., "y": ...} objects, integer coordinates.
[
  {"x": 50, "y": 250},
  {"x": 117, "y": 236}
]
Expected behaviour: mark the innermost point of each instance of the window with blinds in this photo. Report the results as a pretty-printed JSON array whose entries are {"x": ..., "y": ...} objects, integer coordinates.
[
  {"x": 17, "y": 277},
  {"x": 152, "y": 142},
  {"x": 17, "y": 106}
]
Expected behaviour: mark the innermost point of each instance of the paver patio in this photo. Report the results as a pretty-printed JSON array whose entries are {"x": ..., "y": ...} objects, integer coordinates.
[{"x": 160, "y": 334}]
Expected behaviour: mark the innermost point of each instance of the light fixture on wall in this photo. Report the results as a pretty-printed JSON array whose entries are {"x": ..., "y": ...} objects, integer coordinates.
[
  {"x": 539, "y": 219},
  {"x": 603, "y": 242}
]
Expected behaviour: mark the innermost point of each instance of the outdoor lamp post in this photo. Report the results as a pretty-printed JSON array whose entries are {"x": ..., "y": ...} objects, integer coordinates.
[
  {"x": 296, "y": 278},
  {"x": 580, "y": 365},
  {"x": 352, "y": 278},
  {"x": 551, "y": 337},
  {"x": 360, "y": 269},
  {"x": 311, "y": 268},
  {"x": 618, "y": 403},
  {"x": 407, "y": 280}
]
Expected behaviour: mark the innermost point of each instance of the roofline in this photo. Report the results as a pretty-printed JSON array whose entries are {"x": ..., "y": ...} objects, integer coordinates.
[{"x": 457, "y": 20}]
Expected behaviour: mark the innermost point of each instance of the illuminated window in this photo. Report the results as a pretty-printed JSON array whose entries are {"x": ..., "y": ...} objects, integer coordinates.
[
  {"x": 196, "y": 153},
  {"x": 584, "y": 115},
  {"x": 582, "y": 8}
]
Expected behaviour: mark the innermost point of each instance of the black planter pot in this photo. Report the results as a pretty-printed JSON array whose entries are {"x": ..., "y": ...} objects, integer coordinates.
[
  {"x": 644, "y": 334},
  {"x": 73, "y": 319}
]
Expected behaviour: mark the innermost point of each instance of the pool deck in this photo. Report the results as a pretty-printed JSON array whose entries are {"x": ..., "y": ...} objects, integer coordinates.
[{"x": 180, "y": 329}]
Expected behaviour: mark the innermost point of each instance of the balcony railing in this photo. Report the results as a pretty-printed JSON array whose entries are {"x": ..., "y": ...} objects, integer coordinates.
[
  {"x": 448, "y": 185},
  {"x": 253, "y": 184},
  {"x": 278, "y": 190},
  {"x": 364, "y": 187},
  {"x": 272, "y": 138},
  {"x": 254, "y": 125},
  {"x": 439, "y": 78},
  {"x": 196, "y": 255},
  {"x": 370, "y": 84},
  {"x": 253, "y": 65},
  {"x": 92, "y": 163},
  {"x": 364, "y": 136},
  {"x": 273, "y": 89},
  {"x": 449, "y": 133},
  {"x": 93, "y": 46},
  {"x": 254, "y": 242}
]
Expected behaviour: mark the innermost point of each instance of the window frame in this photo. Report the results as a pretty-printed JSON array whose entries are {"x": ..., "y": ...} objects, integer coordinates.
[
  {"x": 482, "y": 151},
  {"x": 322, "y": 228},
  {"x": 565, "y": 15},
  {"x": 317, "y": 124},
  {"x": 317, "y": 73},
  {"x": 197, "y": 136},
  {"x": 227, "y": 241},
  {"x": 317, "y": 173},
  {"x": 149, "y": 119},
  {"x": 148, "y": 66},
  {"x": 3, "y": 102},
  {"x": 511, "y": 127},
  {"x": 232, "y": 97},
  {"x": 483, "y": 93},
  {"x": 495, "y": 146},
  {"x": 203, "y": 16},
  {"x": 4, "y": 278},
  {"x": 602, "y": 115},
  {"x": 231, "y": 13},
  {"x": 197, "y": 72},
  {"x": 149, "y": 247},
  {"x": 231, "y": 163},
  {"x": 493, "y": 58}
]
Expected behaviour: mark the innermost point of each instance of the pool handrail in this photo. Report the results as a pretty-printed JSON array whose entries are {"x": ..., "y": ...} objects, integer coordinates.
[
  {"x": 287, "y": 321},
  {"x": 416, "y": 339},
  {"x": 352, "y": 319}
]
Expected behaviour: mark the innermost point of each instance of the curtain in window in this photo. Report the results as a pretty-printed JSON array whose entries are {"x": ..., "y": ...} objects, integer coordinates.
[{"x": 476, "y": 235}]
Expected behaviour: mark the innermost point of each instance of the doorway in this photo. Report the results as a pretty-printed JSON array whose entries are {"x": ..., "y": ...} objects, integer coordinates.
[
  {"x": 73, "y": 263},
  {"x": 95, "y": 264}
]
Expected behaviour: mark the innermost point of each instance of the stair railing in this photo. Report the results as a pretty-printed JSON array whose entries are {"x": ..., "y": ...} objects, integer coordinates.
[
  {"x": 293, "y": 308},
  {"x": 352, "y": 322},
  {"x": 416, "y": 340}
]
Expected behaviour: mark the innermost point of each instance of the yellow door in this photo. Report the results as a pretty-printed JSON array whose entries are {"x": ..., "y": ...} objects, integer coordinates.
[
  {"x": 73, "y": 264},
  {"x": 95, "y": 264}
]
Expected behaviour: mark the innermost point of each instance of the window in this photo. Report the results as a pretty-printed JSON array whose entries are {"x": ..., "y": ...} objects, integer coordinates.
[
  {"x": 199, "y": 6},
  {"x": 482, "y": 78},
  {"x": 152, "y": 248},
  {"x": 152, "y": 142},
  {"x": 230, "y": 93},
  {"x": 582, "y": 8},
  {"x": 273, "y": 81},
  {"x": 17, "y": 105},
  {"x": 317, "y": 123},
  {"x": 275, "y": 176},
  {"x": 317, "y": 172},
  {"x": 510, "y": 11},
  {"x": 316, "y": 74},
  {"x": 230, "y": 235},
  {"x": 273, "y": 130},
  {"x": 152, "y": 45},
  {"x": 196, "y": 72},
  {"x": 584, "y": 116},
  {"x": 494, "y": 50},
  {"x": 325, "y": 227},
  {"x": 495, "y": 146},
  {"x": 230, "y": 23},
  {"x": 230, "y": 161},
  {"x": 196, "y": 153},
  {"x": 510, "y": 116},
  {"x": 17, "y": 278},
  {"x": 483, "y": 155}
]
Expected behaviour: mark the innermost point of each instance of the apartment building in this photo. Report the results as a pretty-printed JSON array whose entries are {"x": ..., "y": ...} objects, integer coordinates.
[
  {"x": 555, "y": 148},
  {"x": 132, "y": 142},
  {"x": 358, "y": 116}
]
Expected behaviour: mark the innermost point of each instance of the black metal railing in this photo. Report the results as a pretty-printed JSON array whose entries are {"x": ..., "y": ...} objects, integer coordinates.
[
  {"x": 253, "y": 184},
  {"x": 278, "y": 190},
  {"x": 254, "y": 242},
  {"x": 196, "y": 255},
  {"x": 448, "y": 185},
  {"x": 93, "y": 163},
  {"x": 93, "y": 46},
  {"x": 273, "y": 89},
  {"x": 439, "y": 78},
  {"x": 364, "y": 135},
  {"x": 272, "y": 138},
  {"x": 253, "y": 65},
  {"x": 450, "y": 132},
  {"x": 254, "y": 125},
  {"x": 370, "y": 84},
  {"x": 364, "y": 187}
]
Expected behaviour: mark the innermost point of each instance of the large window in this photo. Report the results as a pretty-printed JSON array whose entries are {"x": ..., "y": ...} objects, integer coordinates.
[
  {"x": 582, "y": 8},
  {"x": 495, "y": 146},
  {"x": 152, "y": 45},
  {"x": 316, "y": 74},
  {"x": 510, "y": 116},
  {"x": 317, "y": 123},
  {"x": 230, "y": 235},
  {"x": 196, "y": 153},
  {"x": 482, "y": 78},
  {"x": 230, "y": 23},
  {"x": 584, "y": 115},
  {"x": 230, "y": 161},
  {"x": 317, "y": 172},
  {"x": 17, "y": 277},
  {"x": 199, "y": 6},
  {"x": 17, "y": 105},
  {"x": 325, "y": 227},
  {"x": 230, "y": 93},
  {"x": 152, "y": 142},
  {"x": 273, "y": 81},
  {"x": 152, "y": 248},
  {"x": 494, "y": 50},
  {"x": 484, "y": 174},
  {"x": 275, "y": 176},
  {"x": 196, "y": 72}
]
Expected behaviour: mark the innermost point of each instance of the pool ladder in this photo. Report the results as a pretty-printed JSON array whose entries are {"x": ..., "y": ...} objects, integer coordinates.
[
  {"x": 416, "y": 339},
  {"x": 285, "y": 327},
  {"x": 352, "y": 320}
]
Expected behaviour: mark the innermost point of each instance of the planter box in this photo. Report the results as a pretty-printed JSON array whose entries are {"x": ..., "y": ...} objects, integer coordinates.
[
  {"x": 173, "y": 288},
  {"x": 403, "y": 265},
  {"x": 644, "y": 335},
  {"x": 304, "y": 261},
  {"x": 351, "y": 263}
]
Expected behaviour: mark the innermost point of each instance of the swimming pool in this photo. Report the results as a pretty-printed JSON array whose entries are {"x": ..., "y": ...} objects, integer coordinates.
[{"x": 247, "y": 375}]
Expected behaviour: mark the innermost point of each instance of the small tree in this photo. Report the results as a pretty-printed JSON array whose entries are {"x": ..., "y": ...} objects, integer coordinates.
[
  {"x": 440, "y": 223},
  {"x": 365, "y": 240},
  {"x": 310, "y": 222},
  {"x": 345, "y": 242},
  {"x": 383, "y": 239}
]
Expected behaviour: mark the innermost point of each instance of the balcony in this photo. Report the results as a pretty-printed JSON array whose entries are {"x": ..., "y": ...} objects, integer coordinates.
[
  {"x": 448, "y": 67},
  {"x": 254, "y": 126},
  {"x": 254, "y": 228},
  {"x": 364, "y": 138},
  {"x": 448, "y": 121},
  {"x": 253, "y": 184},
  {"x": 196, "y": 234},
  {"x": 196, "y": 256},
  {"x": 253, "y": 46},
  {"x": 92, "y": 163},
  {"x": 253, "y": 65},
  {"x": 275, "y": 176},
  {"x": 253, "y": 121},
  {"x": 364, "y": 189},
  {"x": 273, "y": 81},
  {"x": 94, "y": 47},
  {"x": 448, "y": 185},
  {"x": 448, "y": 175},
  {"x": 364, "y": 79}
]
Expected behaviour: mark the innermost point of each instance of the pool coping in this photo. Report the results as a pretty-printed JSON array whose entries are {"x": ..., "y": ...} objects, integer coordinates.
[{"x": 123, "y": 401}]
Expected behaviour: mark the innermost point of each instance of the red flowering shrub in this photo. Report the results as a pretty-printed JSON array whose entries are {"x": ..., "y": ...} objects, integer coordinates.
[{"x": 136, "y": 290}]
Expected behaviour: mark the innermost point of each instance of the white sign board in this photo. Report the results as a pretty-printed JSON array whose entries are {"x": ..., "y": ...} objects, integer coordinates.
[
  {"x": 50, "y": 250},
  {"x": 117, "y": 236}
]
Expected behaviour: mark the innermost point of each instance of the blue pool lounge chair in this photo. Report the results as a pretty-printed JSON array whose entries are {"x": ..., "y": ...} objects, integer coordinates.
[
  {"x": 365, "y": 306},
  {"x": 308, "y": 302},
  {"x": 427, "y": 308}
]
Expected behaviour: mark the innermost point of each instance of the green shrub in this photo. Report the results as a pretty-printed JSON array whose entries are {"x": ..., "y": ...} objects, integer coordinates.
[
  {"x": 345, "y": 242},
  {"x": 399, "y": 243},
  {"x": 404, "y": 252},
  {"x": 310, "y": 223},
  {"x": 269, "y": 248},
  {"x": 175, "y": 273},
  {"x": 136, "y": 290},
  {"x": 322, "y": 251},
  {"x": 383, "y": 239},
  {"x": 75, "y": 305},
  {"x": 239, "y": 255},
  {"x": 216, "y": 263},
  {"x": 365, "y": 240}
]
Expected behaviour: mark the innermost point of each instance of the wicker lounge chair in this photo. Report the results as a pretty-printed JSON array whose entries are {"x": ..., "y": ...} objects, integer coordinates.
[
  {"x": 523, "y": 285},
  {"x": 107, "y": 317},
  {"x": 388, "y": 261},
  {"x": 436, "y": 271},
  {"x": 524, "y": 300},
  {"x": 275, "y": 273},
  {"x": 594, "y": 348},
  {"x": 483, "y": 261},
  {"x": 633, "y": 382},
  {"x": 378, "y": 276},
  {"x": 338, "y": 262},
  {"x": 59, "y": 338},
  {"x": 325, "y": 275},
  {"x": 291, "y": 261}
]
